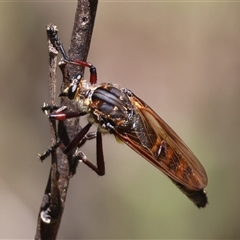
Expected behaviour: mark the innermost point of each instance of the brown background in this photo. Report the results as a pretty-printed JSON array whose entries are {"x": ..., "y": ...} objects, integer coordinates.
[{"x": 183, "y": 59}]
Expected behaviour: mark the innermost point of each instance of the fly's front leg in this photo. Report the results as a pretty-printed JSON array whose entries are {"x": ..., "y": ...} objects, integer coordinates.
[{"x": 57, "y": 43}]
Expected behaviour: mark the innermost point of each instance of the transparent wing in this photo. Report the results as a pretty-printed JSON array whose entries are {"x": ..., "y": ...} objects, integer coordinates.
[{"x": 158, "y": 143}]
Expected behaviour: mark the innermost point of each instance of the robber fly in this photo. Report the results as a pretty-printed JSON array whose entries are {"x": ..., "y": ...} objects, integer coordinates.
[{"x": 121, "y": 113}]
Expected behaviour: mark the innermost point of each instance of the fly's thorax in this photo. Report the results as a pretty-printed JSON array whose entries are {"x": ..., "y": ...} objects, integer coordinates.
[{"x": 110, "y": 104}]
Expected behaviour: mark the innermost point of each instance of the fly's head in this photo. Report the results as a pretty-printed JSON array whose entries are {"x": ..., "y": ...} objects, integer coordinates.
[{"x": 79, "y": 91}]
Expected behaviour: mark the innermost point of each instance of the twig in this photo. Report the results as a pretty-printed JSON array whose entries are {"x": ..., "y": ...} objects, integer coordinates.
[
  {"x": 50, "y": 207},
  {"x": 61, "y": 169}
]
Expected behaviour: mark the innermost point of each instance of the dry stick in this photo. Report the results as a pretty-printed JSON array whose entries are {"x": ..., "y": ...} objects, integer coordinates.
[
  {"x": 46, "y": 227},
  {"x": 55, "y": 194}
]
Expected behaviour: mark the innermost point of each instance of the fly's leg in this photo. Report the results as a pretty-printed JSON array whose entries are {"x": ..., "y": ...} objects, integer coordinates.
[
  {"x": 80, "y": 156},
  {"x": 51, "y": 108},
  {"x": 59, "y": 113},
  {"x": 77, "y": 142},
  {"x": 58, "y": 45},
  {"x": 47, "y": 153}
]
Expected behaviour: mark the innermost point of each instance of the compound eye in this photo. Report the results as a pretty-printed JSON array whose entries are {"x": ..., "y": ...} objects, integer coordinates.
[{"x": 72, "y": 91}]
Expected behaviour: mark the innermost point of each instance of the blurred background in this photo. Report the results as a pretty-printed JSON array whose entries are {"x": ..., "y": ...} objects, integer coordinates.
[{"x": 183, "y": 59}]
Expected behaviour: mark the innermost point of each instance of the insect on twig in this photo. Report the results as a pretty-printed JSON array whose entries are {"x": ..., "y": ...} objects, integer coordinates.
[{"x": 120, "y": 112}]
